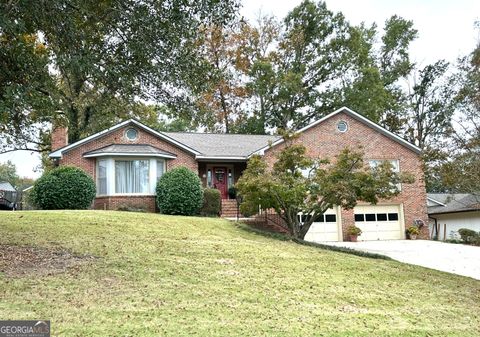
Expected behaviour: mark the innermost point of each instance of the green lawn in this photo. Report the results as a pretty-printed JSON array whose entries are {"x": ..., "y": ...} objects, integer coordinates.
[{"x": 178, "y": 276}]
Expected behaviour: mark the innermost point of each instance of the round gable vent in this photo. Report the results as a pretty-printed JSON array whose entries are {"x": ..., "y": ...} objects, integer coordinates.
[
  {"x": 131, "y": 134},
  {"x": 342, "y": 126}
]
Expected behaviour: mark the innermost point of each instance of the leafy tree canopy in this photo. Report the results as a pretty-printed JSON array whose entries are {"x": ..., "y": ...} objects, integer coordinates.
[
  {"x": 87, "y": 63},
  {"x": 8, "y": 172},
  {"x": 283, "y": 74}
]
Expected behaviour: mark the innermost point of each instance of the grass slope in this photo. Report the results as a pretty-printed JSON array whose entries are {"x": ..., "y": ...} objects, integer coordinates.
[{"x": 178, "y": 276}]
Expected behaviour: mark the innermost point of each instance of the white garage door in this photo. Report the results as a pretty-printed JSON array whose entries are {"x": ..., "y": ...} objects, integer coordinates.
[
  {"x": 325, "y": 228},
  {"x": 379, "y": 222}
]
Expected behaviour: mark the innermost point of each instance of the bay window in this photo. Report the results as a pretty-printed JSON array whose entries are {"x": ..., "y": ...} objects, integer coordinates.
[{"x": 123, "y": 175}]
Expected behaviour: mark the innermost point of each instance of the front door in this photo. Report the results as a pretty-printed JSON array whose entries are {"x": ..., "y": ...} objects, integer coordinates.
[{"x": 220, "y": 180}]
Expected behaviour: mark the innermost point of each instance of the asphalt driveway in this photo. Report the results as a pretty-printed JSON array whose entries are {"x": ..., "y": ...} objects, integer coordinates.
[{"x": 452, "y": 258}]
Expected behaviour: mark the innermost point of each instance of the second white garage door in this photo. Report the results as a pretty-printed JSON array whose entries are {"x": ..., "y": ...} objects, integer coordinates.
[
  {"x": 380, "y": 222},
  {"x": 326, "y": 228}
]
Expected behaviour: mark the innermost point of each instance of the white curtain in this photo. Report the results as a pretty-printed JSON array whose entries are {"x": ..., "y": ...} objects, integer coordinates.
[{"x": 131, "y": 176}]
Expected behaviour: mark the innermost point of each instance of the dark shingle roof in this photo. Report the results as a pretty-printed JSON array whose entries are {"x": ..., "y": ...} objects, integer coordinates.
[
  {"x": 129, "y": 149},
  {"x": 221, "y": 144},
  {"x": 453, "y": 203}
]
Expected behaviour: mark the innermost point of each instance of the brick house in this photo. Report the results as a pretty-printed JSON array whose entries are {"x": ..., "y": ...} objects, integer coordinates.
[{"x": 127, "y": 159}]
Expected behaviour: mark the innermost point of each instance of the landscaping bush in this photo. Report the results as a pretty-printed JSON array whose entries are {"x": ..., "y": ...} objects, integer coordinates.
[
  {"x": 179, "y": 191},
  {"x": 212, "y": 202},
  {"x": 469, "y": 236},
  {"x": 232, "y": 192},
  {"x": 64, "y": 187}
]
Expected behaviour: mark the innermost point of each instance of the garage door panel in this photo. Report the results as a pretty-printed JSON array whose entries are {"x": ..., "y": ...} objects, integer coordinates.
[
  {"x": 330, "y": 227},
  {"x": 378, "y": 222},
  {"x": 388, "y": 226},
  {"x": 367, "y": 235},
  {"x": 321, "y": 237},
  {"x": 325, "y": 230},
  {"x": 390, "y": 235}
]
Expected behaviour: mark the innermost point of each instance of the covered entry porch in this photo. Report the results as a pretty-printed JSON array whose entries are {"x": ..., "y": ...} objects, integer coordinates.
[{"x": 223, "y": 175}]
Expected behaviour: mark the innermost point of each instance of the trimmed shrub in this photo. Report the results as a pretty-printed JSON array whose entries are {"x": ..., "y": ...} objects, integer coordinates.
[
  {"x": 64, "y": 187},
  {"x": 212, "y": 202},
  {"x": 469, "y": 236},
  {"x": 232, "y": 192},
  {"x": 179, "y": 191}
]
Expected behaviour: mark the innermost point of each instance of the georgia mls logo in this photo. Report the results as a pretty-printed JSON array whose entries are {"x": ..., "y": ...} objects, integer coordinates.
[{"x": 24, "y": 328}]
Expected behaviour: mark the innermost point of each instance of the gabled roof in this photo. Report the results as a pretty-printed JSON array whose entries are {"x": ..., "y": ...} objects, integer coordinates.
[
  {"x": 202, "y": 145},
  {"x": 222, "y": 145},
  {"x": 359, "y": 118},
  {"x": 58, "y": 153},
  {"x": 453, "y": 203},
  {"x": 6, "y": 186},
  {"x": 129, "y": 150},
  {"x": 217, "y": 146}
]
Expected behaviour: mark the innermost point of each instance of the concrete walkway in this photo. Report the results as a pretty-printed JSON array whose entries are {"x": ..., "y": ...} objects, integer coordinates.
[{"x": 452, "y": 258}]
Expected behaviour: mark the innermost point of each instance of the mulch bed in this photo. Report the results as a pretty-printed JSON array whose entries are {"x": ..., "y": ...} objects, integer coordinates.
[{"x": 20, "y": 261}]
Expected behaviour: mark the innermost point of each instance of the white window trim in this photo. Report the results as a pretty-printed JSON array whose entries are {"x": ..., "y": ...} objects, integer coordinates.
[
  {"x": 97, "y": 175},
  {"x": 337, "y": 126},
  {"x": 152, "y": 175},
  {"x": 126, "y": 134}
]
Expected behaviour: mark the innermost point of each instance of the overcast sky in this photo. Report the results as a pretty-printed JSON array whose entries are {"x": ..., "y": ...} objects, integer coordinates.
[{"x": 445, "y": 29}]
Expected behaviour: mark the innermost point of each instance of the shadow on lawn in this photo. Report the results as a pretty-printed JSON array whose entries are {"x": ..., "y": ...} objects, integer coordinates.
[{"x": 286, "y": 237}]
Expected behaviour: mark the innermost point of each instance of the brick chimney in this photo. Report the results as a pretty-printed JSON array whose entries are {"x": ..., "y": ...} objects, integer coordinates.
[{"x": 59, "y": 137}]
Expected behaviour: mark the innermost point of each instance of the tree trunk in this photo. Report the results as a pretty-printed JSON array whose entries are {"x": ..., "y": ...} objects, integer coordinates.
[
  {"x": 263, "y": 118},
  {"x": 225, "y": 111},
  {"x": 304, "y": 230}
]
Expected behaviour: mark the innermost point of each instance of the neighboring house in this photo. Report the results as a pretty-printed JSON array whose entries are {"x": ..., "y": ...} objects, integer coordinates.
[
  {"x": 449, "y": 212},
  {"x": 8, "y": 196},
  {"x": 127, "y": 159}
]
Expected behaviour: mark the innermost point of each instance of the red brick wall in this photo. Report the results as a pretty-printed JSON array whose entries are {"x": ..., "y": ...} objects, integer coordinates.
[
  {"x": 75, "y": 157},
  {"x": 59, "y": 137},
  {"x": 324, "y": 141},
  {"x": 146, "y": 203}
]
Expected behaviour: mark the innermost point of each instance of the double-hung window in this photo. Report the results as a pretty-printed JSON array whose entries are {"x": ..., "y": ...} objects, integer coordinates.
[
  {"x": 132, "y": 176},
  {"x": 102, "y": 177},
  {"x": 395, "y": 166}
]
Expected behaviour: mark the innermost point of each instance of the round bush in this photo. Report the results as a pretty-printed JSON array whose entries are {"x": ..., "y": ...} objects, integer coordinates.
[
  {"x": 212, "y": 202},
  {"x": 64, "y": 187},
  {"x": 179, "y": 191}
]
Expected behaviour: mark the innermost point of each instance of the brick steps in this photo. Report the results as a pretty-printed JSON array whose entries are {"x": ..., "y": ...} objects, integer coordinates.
[{"x": 229, "y": 208}]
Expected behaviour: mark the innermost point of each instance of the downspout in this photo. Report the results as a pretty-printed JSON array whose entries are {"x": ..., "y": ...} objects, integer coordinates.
[{"x": 435, "y": 229}]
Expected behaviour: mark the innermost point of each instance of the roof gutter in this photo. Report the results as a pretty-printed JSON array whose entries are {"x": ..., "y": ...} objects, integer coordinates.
[
  {"x": 139, "y": 154},
  {"x": 223, "y": 158},
  {"x": 452, "y": 212}
]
